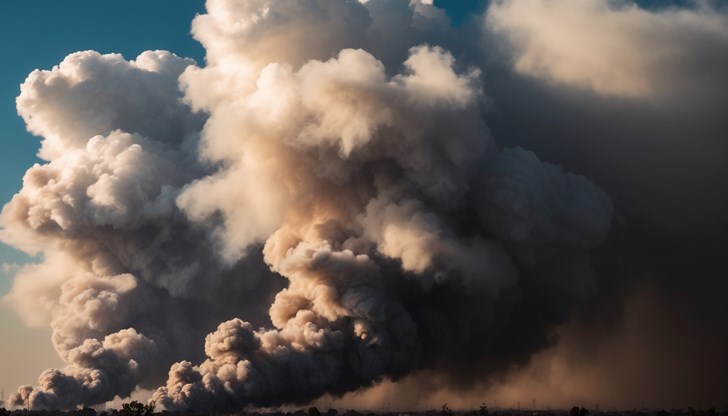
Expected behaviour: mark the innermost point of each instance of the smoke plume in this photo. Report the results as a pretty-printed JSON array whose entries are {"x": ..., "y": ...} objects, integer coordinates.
[{"x": 323, "y": 199}]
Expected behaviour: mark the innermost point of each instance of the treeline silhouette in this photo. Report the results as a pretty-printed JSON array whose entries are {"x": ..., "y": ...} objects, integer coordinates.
[{"x": 136, "y": 408}]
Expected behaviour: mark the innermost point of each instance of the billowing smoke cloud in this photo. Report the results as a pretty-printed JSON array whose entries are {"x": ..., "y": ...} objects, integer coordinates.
[
  {"x": 361, "y": 202},
  {"x": 615, "y": 47},
  {"x": 123, "y": 269}
]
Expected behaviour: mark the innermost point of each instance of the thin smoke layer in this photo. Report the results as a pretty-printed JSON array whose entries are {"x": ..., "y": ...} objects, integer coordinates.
[{"x": 340, "y": 218}]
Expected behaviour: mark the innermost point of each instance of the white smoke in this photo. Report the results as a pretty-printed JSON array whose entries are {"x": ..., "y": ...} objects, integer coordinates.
[
  {"x": 375, "y": 189},
  {"x": 117, "y": 276},
  {"x": 615, "y": 48}
]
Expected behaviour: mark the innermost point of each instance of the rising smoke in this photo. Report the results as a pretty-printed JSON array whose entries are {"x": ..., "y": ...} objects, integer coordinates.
[{"x": 339, "y": 217}]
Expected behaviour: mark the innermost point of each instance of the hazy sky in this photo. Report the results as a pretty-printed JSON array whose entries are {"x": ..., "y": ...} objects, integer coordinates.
[{"x": 500, "y": 201}]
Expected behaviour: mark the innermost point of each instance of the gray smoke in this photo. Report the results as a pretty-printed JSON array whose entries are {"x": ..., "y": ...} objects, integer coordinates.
[{"x": 348, "y": 218}]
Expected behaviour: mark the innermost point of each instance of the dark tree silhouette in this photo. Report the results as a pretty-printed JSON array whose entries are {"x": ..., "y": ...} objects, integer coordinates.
[
  {"x": 86, "y": 411},
  {"x": 136, "y": 409}
]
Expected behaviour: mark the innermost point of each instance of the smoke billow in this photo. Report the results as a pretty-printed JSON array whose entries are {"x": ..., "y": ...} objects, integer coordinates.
[
  {"x": 577, "y": 45},
  {"x": 341, "y": 218}
]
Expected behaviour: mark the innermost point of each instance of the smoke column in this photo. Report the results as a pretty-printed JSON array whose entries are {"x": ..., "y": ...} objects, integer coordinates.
[{"x": 321, "y": 206}]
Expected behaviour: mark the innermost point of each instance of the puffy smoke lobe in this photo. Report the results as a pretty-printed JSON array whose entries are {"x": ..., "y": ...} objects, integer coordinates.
[
  {"x": 392, "y": 228},
  {"x": 578, "y": 44},
  {"x": 117, "y": 284},
  {"x": 534, "y": 206}
]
